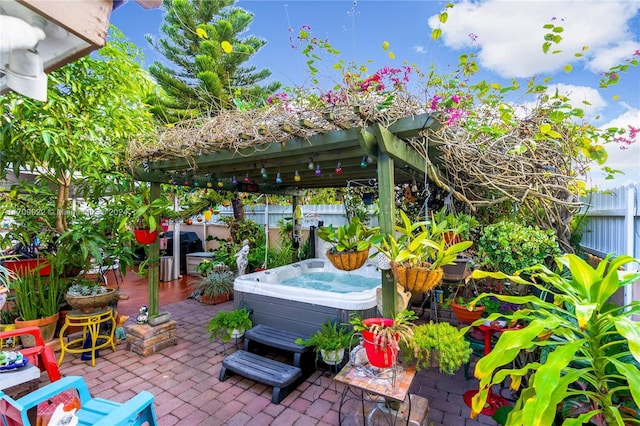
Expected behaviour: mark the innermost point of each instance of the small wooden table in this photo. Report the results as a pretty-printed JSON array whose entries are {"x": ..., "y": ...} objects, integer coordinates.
[
  {"x": 378, "y": 386},
  {"x": 91, "y": 324}
]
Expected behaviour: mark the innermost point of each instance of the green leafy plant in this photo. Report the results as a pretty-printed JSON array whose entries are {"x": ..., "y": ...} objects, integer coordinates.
[
  {"x": 204, "y": 267},
  {"x": 582, "y": 361},
  {"x": 352, "y": 237},
  {"x": 443, "y": 341},
  {"x": 509, "y": 246},
  {"x": 330, "y": 337},
  {"x": 144, "y": 211},
  {"x": 222, "y": 325},
  {"x": 37, "y": 297},
  {"x": 215, "y": 284},
  {"x": 421, "y": 244}
]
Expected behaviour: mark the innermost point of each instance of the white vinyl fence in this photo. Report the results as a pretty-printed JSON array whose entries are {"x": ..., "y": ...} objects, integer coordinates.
[{"x": 613, "y": 226}]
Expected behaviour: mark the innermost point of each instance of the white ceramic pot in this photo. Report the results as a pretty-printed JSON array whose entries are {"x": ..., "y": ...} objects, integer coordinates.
[
  {"x": 237, "y": 334},
  {"x": 332, "y": 357}
]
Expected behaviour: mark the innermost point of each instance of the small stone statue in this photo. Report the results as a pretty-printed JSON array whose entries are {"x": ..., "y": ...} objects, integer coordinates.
[
  {"x": 143, "y": 316},
  {"x": 358, "y": 356},
  {"x": 242, "y": 257}
]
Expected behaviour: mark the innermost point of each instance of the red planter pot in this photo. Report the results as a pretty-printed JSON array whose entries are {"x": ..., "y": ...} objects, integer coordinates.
[
  {"x": 144, "y": 236},
  {"x": 22, "y": 266},
  {"x": 377, "y": 356}
]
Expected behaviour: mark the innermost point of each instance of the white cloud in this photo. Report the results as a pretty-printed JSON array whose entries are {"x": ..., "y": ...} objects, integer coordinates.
[
  {"x": 627, "y": 160},
  {"x": 510, "y": 33},
  {"x": 420, "y": 49}
]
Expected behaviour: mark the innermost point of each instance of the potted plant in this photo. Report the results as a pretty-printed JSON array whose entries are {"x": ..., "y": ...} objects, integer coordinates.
[
  {"x": 440, "y": 344},
  {"x": 86, "y": 295},
  {"x": 227, "y": 325},
  {"x": 383, "y": 337},
  {"x": 419, "y": 252},
  {"x": 204, "y": 267},
  {"x": 38, "y": 302},
  {"x": 593, "y": 358},
  {"x": 350, "y": 243},
  {"x": 146, "y": 214},
  {"x": 216, "y": 287},
  {"x": 329, "y": 342},
  {"x": 460, "y": 302}
]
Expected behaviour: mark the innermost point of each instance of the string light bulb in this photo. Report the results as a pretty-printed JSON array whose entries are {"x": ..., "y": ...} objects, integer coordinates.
[
  {"x": 234, "y": 181},
  {"x": 414, "y": 186},
  {"x": 363, "y": 163},
  {"x": 246, "y": 178},
  {"x": 318, "y": 172},
  {"x": 220, "y": 184},
  {"x": 278, "y": 178},
  {"x": 296, "y": 176},
  {"x": 339, "y": 168},
  {"x": 263, "y": 172},
  {"x": 311, "y": 165}
]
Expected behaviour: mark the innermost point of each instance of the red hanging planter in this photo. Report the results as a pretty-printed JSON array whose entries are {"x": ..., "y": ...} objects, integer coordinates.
[{"x": 144, "y": 236}]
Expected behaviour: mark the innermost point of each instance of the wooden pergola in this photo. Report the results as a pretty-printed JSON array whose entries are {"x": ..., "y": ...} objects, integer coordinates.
[{"x": 393, "y": 153}]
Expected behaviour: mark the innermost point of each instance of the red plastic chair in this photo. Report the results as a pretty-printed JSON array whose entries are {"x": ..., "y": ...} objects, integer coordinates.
[{"x": 41, "y": 355}]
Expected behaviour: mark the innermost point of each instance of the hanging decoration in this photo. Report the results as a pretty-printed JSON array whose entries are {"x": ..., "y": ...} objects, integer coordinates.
[
  {"x": 263, "y": 172},
  {"x": 234, "y": 181},
  {"x": 339, "y": 168},
  {"x": 246, "y": 178},
  {"x": 311, "y": 165},
  {"x": 278, "y": 178},
  {"x": 318, "y": 171},
  {"x": 296, "y": 176},
  {"x": 363, "y": 163}
]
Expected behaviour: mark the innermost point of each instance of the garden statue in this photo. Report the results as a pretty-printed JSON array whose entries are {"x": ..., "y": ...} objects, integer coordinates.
[
  {"x": 242, "y": 257},
  {"x": 143, "y": 316},
  {"x": 358, "y": 355}
]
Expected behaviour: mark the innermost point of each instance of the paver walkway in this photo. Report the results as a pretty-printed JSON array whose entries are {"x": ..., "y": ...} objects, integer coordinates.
[{"x": 184, "y": 380}]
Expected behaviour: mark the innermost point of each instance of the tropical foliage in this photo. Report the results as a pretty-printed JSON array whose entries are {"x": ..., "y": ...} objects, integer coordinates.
[{"x": 589, "y": 369}]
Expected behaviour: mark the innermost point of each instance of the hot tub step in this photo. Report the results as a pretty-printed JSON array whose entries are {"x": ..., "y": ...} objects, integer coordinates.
[
  {"x": 283, "y": 377},
  {"x": 277, "y": 338}
]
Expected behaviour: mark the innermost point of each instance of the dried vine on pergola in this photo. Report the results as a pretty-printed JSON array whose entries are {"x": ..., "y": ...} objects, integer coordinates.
[{"x": 480, "y": 169}]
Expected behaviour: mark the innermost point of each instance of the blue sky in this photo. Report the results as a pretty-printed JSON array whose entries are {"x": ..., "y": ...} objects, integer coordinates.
[{"x": 508, "y": 35}]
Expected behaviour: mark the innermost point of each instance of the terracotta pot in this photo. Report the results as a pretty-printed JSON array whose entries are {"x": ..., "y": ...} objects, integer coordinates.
[
  {"x": 348, "y": 261},
  {"x": 69, "y": 330},
  {"x": 46, "y": 325},
  {"x": 144, "y": 236},
  {"x": 208, "y": 300},
  {"x": 416, "y": 279},
  {"x": 87, "y": 304},
  {"x": 464, "y": 315},
  {"x": 378, "y": 357}
]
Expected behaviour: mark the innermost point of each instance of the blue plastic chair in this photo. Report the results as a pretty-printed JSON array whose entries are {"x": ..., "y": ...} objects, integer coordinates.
[{"x": 94, "y": 411}]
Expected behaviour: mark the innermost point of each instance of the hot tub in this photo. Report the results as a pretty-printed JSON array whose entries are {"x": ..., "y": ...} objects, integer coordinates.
[{"x": 326, "y": 292}]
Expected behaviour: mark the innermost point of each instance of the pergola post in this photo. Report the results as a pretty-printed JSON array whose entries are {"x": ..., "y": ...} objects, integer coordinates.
[
  {"x": 386, "y": 220},
  {"x": 154, "y": 261}
]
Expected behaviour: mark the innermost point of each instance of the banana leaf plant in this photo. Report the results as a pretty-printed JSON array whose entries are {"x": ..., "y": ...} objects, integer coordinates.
[{"x": 590, "y": 346}]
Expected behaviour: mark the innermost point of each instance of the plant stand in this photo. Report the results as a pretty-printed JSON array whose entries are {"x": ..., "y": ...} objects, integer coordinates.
[{"x": 145, "y": 339}]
